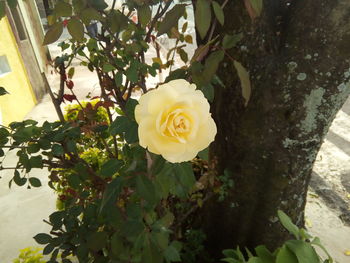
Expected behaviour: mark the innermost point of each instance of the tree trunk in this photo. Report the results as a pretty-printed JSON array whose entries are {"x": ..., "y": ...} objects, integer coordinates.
[{"x": 297, "y": 54}]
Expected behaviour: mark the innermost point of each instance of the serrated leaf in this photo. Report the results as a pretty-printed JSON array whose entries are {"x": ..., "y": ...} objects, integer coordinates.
[
  {"x": 203, "y": 17},
  {"x": 171, "y": 19},
  {"x": 150, "y": 253},
  {"x": 53, "y": 34},
  {"x": 146, "y": 189},
  {"x": 76, "y": 29},
  {"x": 219, "y": 13},
  {"x": 110, "y": 167},
  {"x": 144, "y": 14},
  {"x": 245, "y": 81},
  {"x": 62, "y": 8}
]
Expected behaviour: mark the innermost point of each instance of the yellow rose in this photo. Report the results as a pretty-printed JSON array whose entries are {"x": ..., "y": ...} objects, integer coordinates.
[{"x": 174, "y": 121}]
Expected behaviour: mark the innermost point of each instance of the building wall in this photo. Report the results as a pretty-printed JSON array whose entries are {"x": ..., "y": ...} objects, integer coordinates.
[
  {"x": 35, "y": 31},
  {"x": 14, "y": 106}
]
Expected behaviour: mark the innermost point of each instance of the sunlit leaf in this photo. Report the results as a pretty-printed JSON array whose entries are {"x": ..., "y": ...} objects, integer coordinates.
[
  {"x": 53, "y": 34},
  {"x": 76, "y": 29},
  {"x": 62, "y": 8}
]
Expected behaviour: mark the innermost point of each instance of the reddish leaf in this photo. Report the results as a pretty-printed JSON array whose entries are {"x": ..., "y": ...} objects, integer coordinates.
[
  {"x": 70, "y": 84},
  {"x": 108, "y": 104},
  {"x": 69, "y": 97}
]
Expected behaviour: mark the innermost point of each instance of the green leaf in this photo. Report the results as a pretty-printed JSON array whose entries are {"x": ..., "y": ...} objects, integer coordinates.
[
  {"x": 284, "y": 255},
  {"x": 57, "y": 150},
  {"x": 150, "y": 253},
  {"x": 132, "y": 229},
  {"x": 76, "y": 29},
  {"x": 203, "y": 17},
  {"x": 171, "y": 254},
  {"x": 89, "y": 14},
  {"x": 219, "y": 13},
  {"x": 130, "y": 108},
  {"x": 36, "y": 162},
  {"x": 265, "y": 255},
  {"x": 111, "y": 193},
  {"x": 78, "y": 5},
  {"x": 43, "y": 238},
  {"x": 2, "y": 89},
  {"x": 118, "y": 79},
  {"x": 48, "y": 249},
  {"x": 12, "y": 3},
  {"x": 97, "y": 241},
  {"x": 303, "y": 251},
  {"x": 288, "y": 224},
  {"x": 132, "y": 74},
  {"x": 208, "y": 91},
  {"x": 71, "y": 72},
  {"x": 145, "y": 188},
  {"x": 171, "y": 19},
  {"x": 108, "y": 67},
  {"x": 144, "y": 14},
  {"x": 204, "y": 154},
  {"x": 245, "y": 81},
  {"x": 98, "y": 4},
  {"x": 53, "y": 34},
  {"x": 117, "y": 21},
  {"x": 257, "y": 5},
  {"x": 33, "y": 148},
  {"x": 2, "y": 9},
  {"x": 62, "y": 8},
  {"x": 212, "y": 65},
  {"x": 117, "y": 245},
  {"x": 110, "y": 167},
  {"x": 18, "y": 180},
  {"x": 123, "y": 124},
  {"x": 185, "y": 179},
  {"x": 35, "y": 182},
  {"x": 231, "y": 41}
]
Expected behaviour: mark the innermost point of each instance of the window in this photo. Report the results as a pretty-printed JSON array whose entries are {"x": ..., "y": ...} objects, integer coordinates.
[{"x": 4, "y": 65}]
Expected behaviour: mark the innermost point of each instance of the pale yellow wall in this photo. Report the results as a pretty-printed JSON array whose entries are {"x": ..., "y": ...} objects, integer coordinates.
[{"x": 20, "y": 101}]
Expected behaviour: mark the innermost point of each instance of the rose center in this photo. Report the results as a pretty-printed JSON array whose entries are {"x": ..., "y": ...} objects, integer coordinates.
[{"x": 175, "y": 125}]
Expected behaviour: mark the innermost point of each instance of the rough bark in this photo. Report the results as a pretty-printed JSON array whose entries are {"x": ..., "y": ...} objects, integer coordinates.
[{"x": 297, "y": 54}]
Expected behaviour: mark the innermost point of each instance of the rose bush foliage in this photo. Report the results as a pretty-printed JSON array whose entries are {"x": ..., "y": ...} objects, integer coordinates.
[{"x": 128, "y": 171}]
